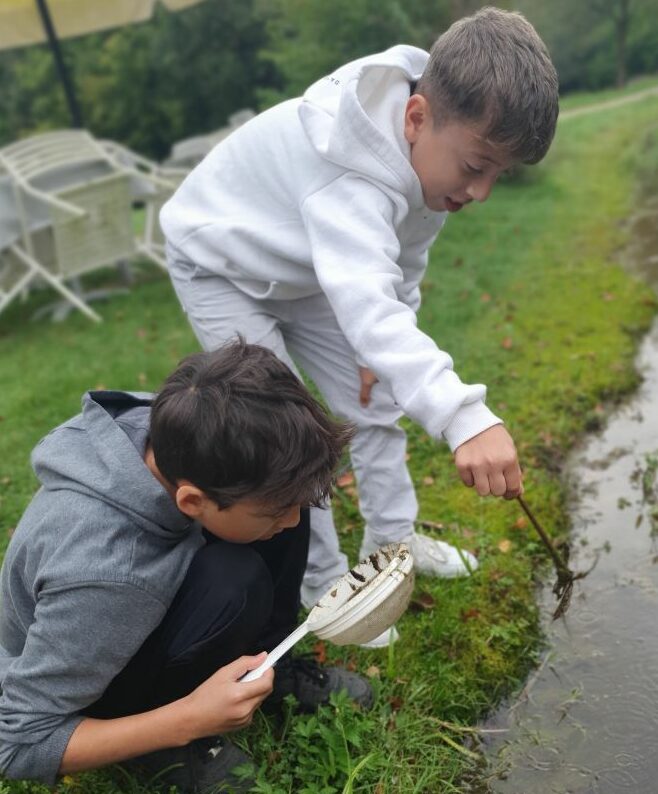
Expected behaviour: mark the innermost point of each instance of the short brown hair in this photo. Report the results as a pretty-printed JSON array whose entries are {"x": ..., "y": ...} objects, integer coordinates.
[
  {"x": 237, "y": 423},
  {"x": 493, "y": 67}
]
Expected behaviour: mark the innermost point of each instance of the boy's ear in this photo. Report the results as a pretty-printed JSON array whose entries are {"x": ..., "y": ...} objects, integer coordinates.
[
  {"x": 190, "y": 499},
  {"x": 417, "y": 115}
]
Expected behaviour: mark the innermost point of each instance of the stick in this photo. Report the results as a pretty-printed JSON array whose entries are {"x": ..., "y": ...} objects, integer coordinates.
[{"x": 559, "y": 562}]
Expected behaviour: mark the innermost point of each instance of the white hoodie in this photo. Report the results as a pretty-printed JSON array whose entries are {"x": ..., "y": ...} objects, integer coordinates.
[{"x": 318, "y": 195}]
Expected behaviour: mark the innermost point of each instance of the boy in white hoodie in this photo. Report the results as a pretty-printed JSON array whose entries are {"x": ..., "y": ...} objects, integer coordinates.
[{"x": 308, "y": 229}]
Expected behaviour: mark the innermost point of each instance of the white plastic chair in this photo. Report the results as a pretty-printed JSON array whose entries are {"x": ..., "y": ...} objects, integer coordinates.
[{"x": 69, "y": 202}]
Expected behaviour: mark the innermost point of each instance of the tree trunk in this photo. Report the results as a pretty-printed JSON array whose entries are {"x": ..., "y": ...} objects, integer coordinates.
[{"x": 622, "y": 19}]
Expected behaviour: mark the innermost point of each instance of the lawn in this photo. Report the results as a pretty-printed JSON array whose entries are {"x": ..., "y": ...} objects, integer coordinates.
[{"x": 527, "y": 295}]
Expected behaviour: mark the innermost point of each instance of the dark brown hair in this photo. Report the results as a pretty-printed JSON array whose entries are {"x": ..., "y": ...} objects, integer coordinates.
[
  {"x": 492, "y": 67},
  {"x": 238, "y": 423}
]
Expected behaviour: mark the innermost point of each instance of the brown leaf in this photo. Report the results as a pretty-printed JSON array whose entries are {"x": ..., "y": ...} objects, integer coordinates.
[
  {"x": 373, "y": 671},
  {"x": 396, "y": 702},
  {"x": 485, "y": 297},
  {"x": 428, "y": 480},
  {"x": 345, "y": 479},
  {"x": 140, "y": 333},
  {"x": 469, "y": 614},
  {"x": 608, "y": 296},
  {"x": 423, "y": 602},
  {"x": 141, "y": 378},
  {"x": 505, "y": 545},
  {"x": 521, "y": 522},
  {"x": 507, "y": 343},
  {"x": 320, "y": 652},
  {"x": 100, "y": 387}
]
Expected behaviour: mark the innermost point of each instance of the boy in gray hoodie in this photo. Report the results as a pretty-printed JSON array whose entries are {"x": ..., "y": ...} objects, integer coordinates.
[
  {"x": 308, "y": 230},
  {"x": 167, "y": 541}
]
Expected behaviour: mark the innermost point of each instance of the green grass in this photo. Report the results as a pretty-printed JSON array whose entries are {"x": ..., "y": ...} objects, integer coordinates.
[
  {"x": 576, "y": 99},
  {"x": 526, "y": 294}
]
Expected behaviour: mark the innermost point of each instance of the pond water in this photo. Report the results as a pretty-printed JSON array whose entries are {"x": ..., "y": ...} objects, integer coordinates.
[{"x": 587, "y": 720}]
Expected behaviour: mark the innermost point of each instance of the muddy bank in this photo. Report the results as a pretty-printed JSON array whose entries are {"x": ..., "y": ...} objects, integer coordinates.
[{"x": 587, "y": 720}]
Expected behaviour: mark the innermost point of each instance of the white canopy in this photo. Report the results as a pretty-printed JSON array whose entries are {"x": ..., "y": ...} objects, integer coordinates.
[{"x": 21, "y": 24}]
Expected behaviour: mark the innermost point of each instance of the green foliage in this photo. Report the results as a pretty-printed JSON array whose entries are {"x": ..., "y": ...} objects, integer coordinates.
[
  {"x": 310, "y": 38},
  {"x": 145, "y": 85},
  {"x": 183, "y": 74}
]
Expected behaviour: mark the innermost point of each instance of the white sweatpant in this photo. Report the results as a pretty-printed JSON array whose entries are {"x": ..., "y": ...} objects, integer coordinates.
[{"x": 306, "y": 330}]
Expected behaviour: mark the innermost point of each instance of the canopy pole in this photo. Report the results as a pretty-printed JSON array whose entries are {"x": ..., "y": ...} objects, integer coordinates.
[{"x": 53, "y": 41}]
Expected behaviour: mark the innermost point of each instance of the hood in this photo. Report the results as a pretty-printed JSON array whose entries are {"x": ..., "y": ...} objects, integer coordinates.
[
  {"x": 354, "y": 117},
  {"x": 91, "y": 454}
]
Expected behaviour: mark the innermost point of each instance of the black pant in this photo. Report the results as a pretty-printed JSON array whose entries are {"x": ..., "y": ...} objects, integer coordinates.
[{"x": 235, "y": 599}]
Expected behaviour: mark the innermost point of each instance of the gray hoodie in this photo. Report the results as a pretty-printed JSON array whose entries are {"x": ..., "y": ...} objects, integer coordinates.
[{"x": 89, "y": 573}]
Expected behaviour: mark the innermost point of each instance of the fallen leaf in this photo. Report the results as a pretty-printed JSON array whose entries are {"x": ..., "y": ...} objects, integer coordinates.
[
  {"x": 140, "y": 333},
  {"x": 407, "y": 457},
  {"x": 505, "y": 545},
  {"x": 345, "y": 479},
  {"x": 141, "y": 378},
  {"x": 608, "y": 296},
  {"x": 423, "y": 602},
  {"x": 373, "y": 671},
  {"x": 100, "y": 387},
  {"x": 428, "y": 480},
  {"x": 507, "y": 343},
  {"x": 521, "y": 522},
  {"x": 470, "y": 614},
  {"x": 485, "y": 297},
  {"x": 351, "y": 491},
  {"x": 396, "y": 702},
  {"x": 431, "y": 525},
  {"x": 320, "y": 652}
]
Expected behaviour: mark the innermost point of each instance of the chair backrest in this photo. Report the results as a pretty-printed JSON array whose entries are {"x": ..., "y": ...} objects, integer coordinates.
[{"x": 34, "y": 157}]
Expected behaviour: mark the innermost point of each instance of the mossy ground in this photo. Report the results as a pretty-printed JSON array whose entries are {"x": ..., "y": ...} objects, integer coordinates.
[{"x": 526, "y": 294}]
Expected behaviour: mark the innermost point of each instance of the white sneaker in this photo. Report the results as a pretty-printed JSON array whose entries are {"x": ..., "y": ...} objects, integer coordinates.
[
  {"x": 385, "y": 639},
  {"x": 432, "y": 557},
  {"x": 311, "y": 596}
]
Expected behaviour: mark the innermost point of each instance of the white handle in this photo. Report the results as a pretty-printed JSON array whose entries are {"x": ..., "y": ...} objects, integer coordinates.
[{"x": 274, "y": 655}]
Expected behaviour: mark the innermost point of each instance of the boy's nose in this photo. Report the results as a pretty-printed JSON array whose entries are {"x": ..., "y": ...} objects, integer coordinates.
[{"x": 481, "y": 189}]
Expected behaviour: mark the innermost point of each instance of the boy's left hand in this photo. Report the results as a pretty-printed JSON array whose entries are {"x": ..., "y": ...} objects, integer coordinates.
[
  {"x": 489, "y": 463},
  {"x": 368, "y": 380}
]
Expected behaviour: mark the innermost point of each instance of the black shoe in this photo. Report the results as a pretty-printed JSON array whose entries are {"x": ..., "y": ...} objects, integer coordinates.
[
  {"x": 312, "y": 684},
  {"x": 201, "y": 767}
]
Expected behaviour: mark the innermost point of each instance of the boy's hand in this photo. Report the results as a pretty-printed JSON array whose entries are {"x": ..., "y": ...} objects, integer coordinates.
[
  {"x": 368, "y": 380},
  {"x": 489, "y": 462},
  {"x": 224, "y": 703}
]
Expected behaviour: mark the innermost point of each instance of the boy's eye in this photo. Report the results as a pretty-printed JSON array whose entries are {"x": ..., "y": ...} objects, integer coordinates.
[{"x": 472, "y": 169}]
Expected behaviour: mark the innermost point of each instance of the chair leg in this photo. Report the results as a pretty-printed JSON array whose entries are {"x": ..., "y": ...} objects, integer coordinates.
[{"x": 56, "y": 284}]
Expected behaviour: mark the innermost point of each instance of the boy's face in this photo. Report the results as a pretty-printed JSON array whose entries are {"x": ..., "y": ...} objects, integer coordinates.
[
  {"x": 245, "y": 521},
  {"x": 454, "y": 163}
]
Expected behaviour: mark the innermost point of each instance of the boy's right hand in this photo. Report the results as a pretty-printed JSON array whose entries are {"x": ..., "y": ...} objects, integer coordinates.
[
  {"x": 489, "y": 463},
  {"x": 223, "y": 703}
]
